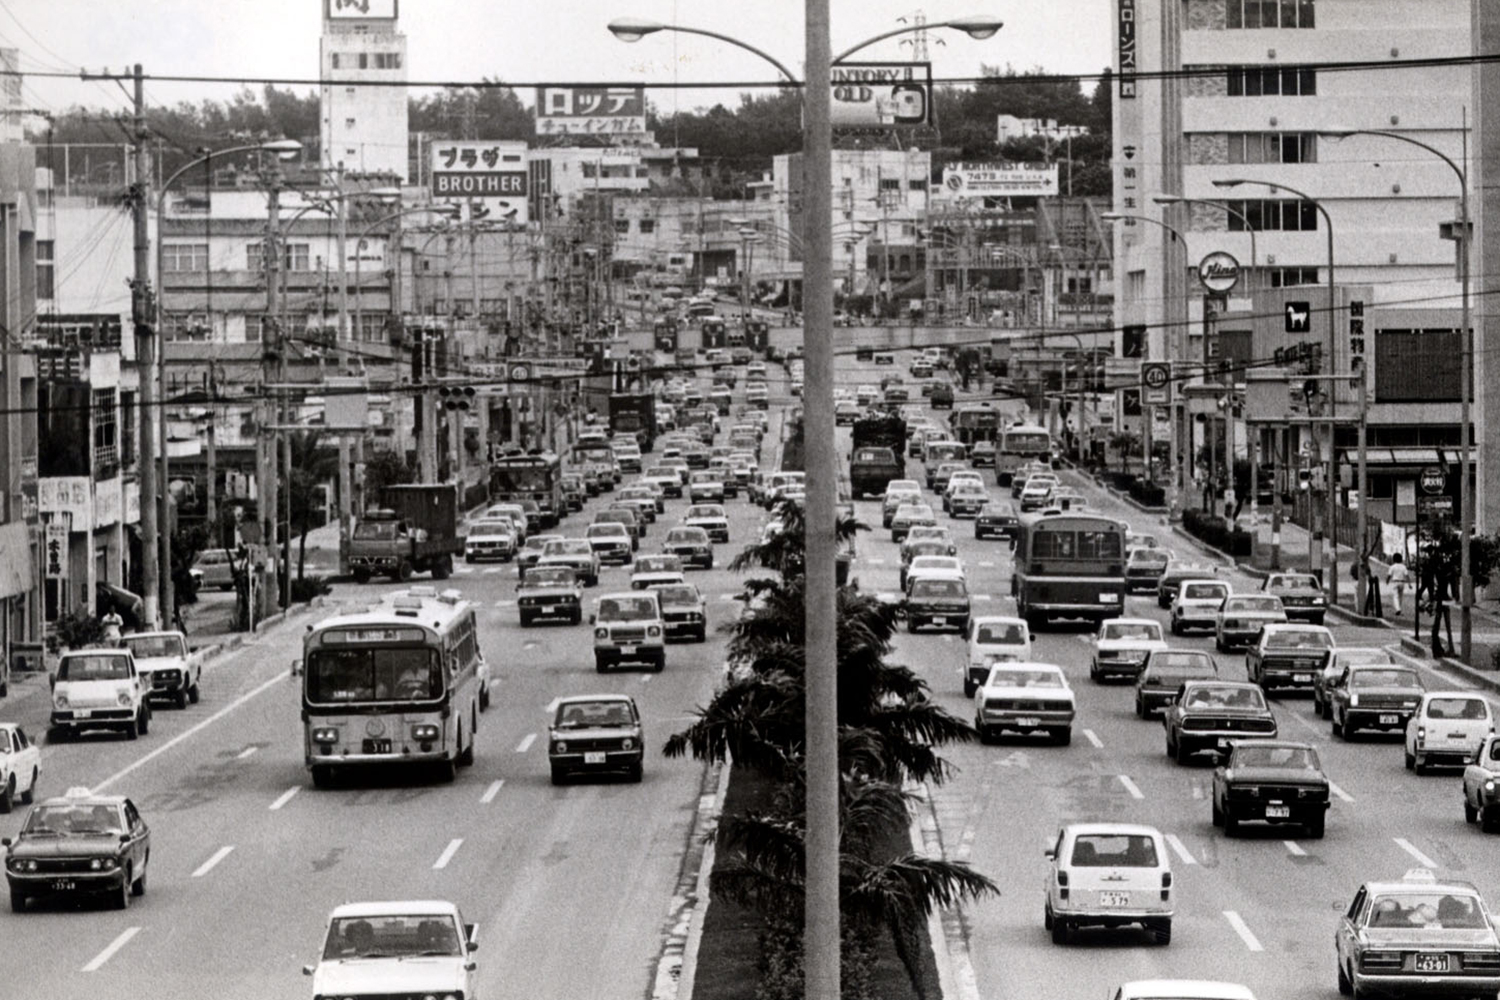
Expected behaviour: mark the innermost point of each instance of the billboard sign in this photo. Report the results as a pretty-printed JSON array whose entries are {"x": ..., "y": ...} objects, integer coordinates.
[
  {"x": 1127, "y": 45},
  {"x": 488, "y": 180},
  {"x": 590, "y": 110},
  {"x": 881, "y": 94},
  {"x": 361, "y": 10},
  {"x": 1219, "y": 272},
  {"x": 1000, "y": 180}
]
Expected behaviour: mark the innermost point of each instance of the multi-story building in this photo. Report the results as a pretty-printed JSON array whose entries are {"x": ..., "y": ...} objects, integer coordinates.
[
  {"x": 364, "y": 127},
  {"x": 1234, "y": 122}
]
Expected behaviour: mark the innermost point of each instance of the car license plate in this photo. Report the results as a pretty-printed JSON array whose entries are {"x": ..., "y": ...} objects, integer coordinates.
[
  {"x": 1389, "y": 720},
  {"x": 1430, "y": 962},
  {"x": 1278, "y": 812},
  {"x": 549, "y": 609},
  {"x": 627, "y": 650},
  {"x": 594, "y": 757},
  {"x": 376, "y": 746},
  {"x": 1301, "y": 678},
  {"x": 939, "y": 620},
  {"x": 1114, "y": 899},
  {"x": 1028, "y": 722},
  {"x": 82, "y": 713},
  {"x": 61, "y": 885},
  {"x": 1108, "y": 598}
]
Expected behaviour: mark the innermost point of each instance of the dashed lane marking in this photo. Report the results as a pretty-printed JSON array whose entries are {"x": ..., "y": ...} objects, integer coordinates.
[
  {"x": 492, "y": 791},
  {"x": 285, "y": 797},
  {"x": 1339, "y": 793},
  {"x": 109, "y": 950},
  {"x": 492, "y": 570},
  {"x": 1294, "y": 849},
  {"x": 876, "y": 561},
  {"x": 447, "y": 855},
  {"x": 525, "y": 743},
  {"x": 1181, "y": 849},
  {"x": 983, "y": 597},
  {"x": 1411, "y": 849},
  {"x": 1093, "y": 738},
  {"x": 1131, "y": 787},
  {"x": 213, "y": 860},
  {"x": 248, "y": 751},
  {"x": 987, "y": 565},
  {"x": 1243, "y": 930}
]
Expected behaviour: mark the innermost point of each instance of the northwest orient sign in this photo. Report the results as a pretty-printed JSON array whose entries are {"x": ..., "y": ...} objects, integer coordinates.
[
  {"x": 998, "y": 180},
  {"x": 1219, "y": 272},
  {"x": 590, "y": 110},
  {"x": 1432, "y": 480},
  {"x": 880, "y": 94},
  {"x": 486, "y": 179},
  {"x": 362, "y": 10},
  {"x": 1127, "y": 46},
  {"x": 1156, "y": 382}
]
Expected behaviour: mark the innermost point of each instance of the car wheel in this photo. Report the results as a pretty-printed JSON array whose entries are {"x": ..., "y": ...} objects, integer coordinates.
[
  {"x": 1231, "y": 825},
  {"x": 17, "y": 901},
  {"x": 1411, "y": 762},
  {"x": 1219, "y": 644},
  {"x": 1418, "y": 764},
  {"x": 1489, "y": 819},
  {"x": 636, "y": 772},
  {"x": 1140, "y": 708},
  {"x": 122, "y": 901},
  {"x": 526, "y": 621},
  {"x": 1062, "y": 737},
  {"x": 1059, "y": 931},
  {"x": 194, "y": 694},
  {"x": 969, "y": 688},
  {"x": 322, "y": 776},
  {"x": 1335, "y": 726},
  {"x": 1094, "y": 671},
  {"x": 702, "y": 634},
  {"x": 1345, "y": 987},
  {"x": 1047, "y": 917},
  {"x": 1183, "y": 754},
  {"x": 559, "y": 775},
  {"x": 600, "y": 665},
  {"x": 29, "y": 796},
  {"x": 1161, "y": 931},
  {"x": 361, "y": 576},
  {"x": 484, "y": 698},
  {"x": 133, "y": 728},
  {"x": 1218, "y": 814},
  {"x": 8, "y": 795},
  {"x": 138, "y": 887},
  {"x": 984, "y": 733},
  {"x": 660, "y": 663},
  {"x": 447, "y": 770},
  {"x": 1315, "y": 827},
  {"x": 180, "y": 698}
]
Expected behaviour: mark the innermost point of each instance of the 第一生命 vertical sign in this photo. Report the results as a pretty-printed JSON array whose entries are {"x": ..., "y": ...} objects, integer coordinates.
[{"x": 486, "y": 179}]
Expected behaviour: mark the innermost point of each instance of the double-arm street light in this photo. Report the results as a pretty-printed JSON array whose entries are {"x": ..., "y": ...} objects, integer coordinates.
[
  {"x": 821, "y": 885},
  {"x": 1466, "y": 376}
]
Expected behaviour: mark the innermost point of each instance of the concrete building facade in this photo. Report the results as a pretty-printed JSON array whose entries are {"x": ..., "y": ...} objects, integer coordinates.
[{"x": 363, "y": 127}]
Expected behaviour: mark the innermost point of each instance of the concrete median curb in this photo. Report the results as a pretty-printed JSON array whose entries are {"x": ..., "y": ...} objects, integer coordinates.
[
  {"x": 1420, "y": 652},
  {"x": 947, "y": 930},
  {"x": 677, "y": 967}
]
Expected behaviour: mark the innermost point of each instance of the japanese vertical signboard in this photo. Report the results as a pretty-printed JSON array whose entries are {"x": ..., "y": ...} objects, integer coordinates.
[
  {"x": 487, "y": 179},
  {"x": 362, "y": 10},
  {"x": 1127, "y": 69},
  {"x": 590, "y": 110},
  {"x": 55, "y": 550},
  {"x": 880, "y": 94}
]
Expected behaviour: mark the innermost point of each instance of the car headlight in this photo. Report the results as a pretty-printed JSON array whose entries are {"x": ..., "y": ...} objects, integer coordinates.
[
  {"x": 22, "y": 865},
  {"x": 60, "y": 700},
  {"x": 561, "y": 746},
  {"x": 325, "y": 734},
  {"x": 627, "y": 744},
  {"x": 424, "y": 733},
  {"x": 601, "y": 633},
  {"x": 1317, "y": 600},
  {"x": 123, "y": 699},
  {"x": 1354, "y": 699},
  {"x": 653, "y": 630}
]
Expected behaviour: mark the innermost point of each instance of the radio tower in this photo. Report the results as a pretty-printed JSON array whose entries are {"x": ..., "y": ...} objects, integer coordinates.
[{"x": 918, "y": 39}]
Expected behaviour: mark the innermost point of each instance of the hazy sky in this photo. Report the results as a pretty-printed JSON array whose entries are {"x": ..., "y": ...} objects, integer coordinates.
[{"x": 557, "y": 41}]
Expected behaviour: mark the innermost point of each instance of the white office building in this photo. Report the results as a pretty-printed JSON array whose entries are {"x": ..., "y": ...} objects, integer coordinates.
[{"x": 364, "y": 128}]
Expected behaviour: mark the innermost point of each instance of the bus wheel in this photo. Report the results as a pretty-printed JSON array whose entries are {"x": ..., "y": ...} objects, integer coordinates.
[
  {"x": 322, "y": 776},
  {"x": 466, "y": 756},
  {"x": 443, "y": 568},
  {"x": 361, "y": 576},
  {"x": 447, "y": 770}
]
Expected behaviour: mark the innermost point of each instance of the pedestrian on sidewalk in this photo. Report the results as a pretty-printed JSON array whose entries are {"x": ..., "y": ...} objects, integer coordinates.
[
  {"x": 1372, "y": 608},
  {"x": 1397, "y": 576}
]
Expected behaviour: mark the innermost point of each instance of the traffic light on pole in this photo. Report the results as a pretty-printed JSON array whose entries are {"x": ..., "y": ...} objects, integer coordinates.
[{"x": 456, "y": 397}]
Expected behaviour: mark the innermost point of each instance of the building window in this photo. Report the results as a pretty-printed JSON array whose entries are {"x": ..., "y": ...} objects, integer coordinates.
[
  {"x": 622, "y": 225},
  {"x": 387, "y": 60},
  {"x": 492, "y": 307},
  {"x": 295, "y": 256},
  {"x": 334, "y": 63},
  {"x": 106, "y": 444},
  {"x": 127, "y": 430},
  {"x": 1271, "y": 214},
  {"x": 348, "y": 91},
  {"x": 45, "y": 273},
  {"x": 371, "y": 327},
  {"x": 364, "y": 60},
  {"x": 1418, "y": 366},
  {"x": 1289, "y": 277},
  {"x": 916, "y": 185},
  {"x": 1269, "y": 14},
  {"x": 890, "y": 184},
  {"x": 1273, "y": 147},
  {"x": 348, "y": 123},
  {"x": 1271, "y": 81},
  {"x": 648, "y": 225},
  {"x": 178, "y": 258}
]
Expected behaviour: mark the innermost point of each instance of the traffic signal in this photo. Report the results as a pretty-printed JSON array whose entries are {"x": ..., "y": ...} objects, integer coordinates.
[
  {"x": 1304, "y": 479},
  {"x": 456, "y": 397}
]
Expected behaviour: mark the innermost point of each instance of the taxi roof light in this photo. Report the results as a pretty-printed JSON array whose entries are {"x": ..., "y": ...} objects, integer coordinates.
[
  {"x": 1422, "y": 875},
  {"x": 77, "y": 792}
]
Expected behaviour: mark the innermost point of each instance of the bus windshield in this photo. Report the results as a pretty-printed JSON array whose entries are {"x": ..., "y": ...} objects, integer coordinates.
[
  {"x": 409, "y": 673},
  {"x": 375, "y": 530},
  {"x": 517, "y": 478},
  {"x": 1027, "y": 442}
]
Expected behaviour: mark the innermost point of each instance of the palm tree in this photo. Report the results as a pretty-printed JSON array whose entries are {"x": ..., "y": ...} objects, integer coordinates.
[{"x": 312, "y": 464}]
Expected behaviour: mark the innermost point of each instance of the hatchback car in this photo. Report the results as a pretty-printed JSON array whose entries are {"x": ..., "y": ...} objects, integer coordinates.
[
  {"x": 596, "y": 733},
  {"x": 692, "y": 545},
  {"x": 996, "y": 519},
  {"x": 1242, "y": 616},
  {"x": 993, "y": 639},
  {"x": 1109, "y": 875},
  {"x": 1381, "y": 696},
  {"x": 1164, "y": 672},
  {"x": 1122, "y": 646},
  {"x": 1301, "y": 594},
  {"x": 1197, "y": 604},
  {"x": 1025, "y": 698},
  {"x": 1446, "y": 729}
]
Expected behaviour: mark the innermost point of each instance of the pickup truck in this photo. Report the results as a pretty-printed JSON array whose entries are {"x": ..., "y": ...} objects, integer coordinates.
[
  {"x": 99, "y": 688},
  {"x": 173, "y": 669},
  {"x": 1481, "y": 792}
]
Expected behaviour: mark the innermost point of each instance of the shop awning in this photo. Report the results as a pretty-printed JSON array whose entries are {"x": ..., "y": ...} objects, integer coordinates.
[
  {"x": 17, "y": 574},
  {"x": 1392, "y": 459}
]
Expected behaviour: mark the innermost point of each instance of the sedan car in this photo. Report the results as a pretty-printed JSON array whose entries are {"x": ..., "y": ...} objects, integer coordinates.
[
  {"x": 594, "y": 734},
  {"x": 1274, "y": 781},
  {"x": 1288, "y": 656},
  {"x": 690, "y": 544},
  {"x": 898, "y": 492},
  {"x": 1143, "y": 569},
  {"x": 1164, "y": 673},
  {"x": 1342, "y": 657},
  {"x": 651, "y": 570},
  {"x": 706, "y": 487},
  {"x": 939, "y": 474},
  {"x": 1242, "y": 616},
  {"x": 575, "y": 554},
  {"x": 938, "y": 601},
  {"x": 1381, "y": 696},
  {"x": 531, "y": 553},
  {"x": 1207, "y": 715},
  {"x": 490, "y": 539},
  {"x": 966, "y": 500},
  {"x": 1025, "y": 698},
  {"x": 552, "y": 593},
  {"x": 1110, "y": 875},
  {"x": 20, "y": 766},
  {"x": 996, "y": 519},
  {"x": 1301, "y": 594},
  {"x": 1122, "y": 646},
  {"x": 422, "y": 944},
  {"x": 646, "y": 500},
  {"x": 711, "y": 517},
  {"x": 611, "y": 542},
  {"x": 907, "y": 516},
  {"x": 79, "y": 844},
  {"x": 665, "y": 478},
  {"x": 1197, "y": 604}
]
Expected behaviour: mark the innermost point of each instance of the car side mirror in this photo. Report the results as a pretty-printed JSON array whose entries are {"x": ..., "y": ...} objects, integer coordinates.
[
  {"x": 471, "y": 934},
  {"x": 296, "y": 668},
  {"x": 124, "y": 838},
  {"x": 1049, "y": 853},
  {"x": 4, "y": 841},
  {"x": 592, "y": 619},
  {"x": 307, "y": 970}
]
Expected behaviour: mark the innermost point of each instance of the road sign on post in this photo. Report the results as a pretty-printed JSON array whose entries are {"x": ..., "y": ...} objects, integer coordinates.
[
  {"x": 1432, "y": 481},
  {"x": 1434, "y": 506},
  {"x": 1156, "y": 382}
]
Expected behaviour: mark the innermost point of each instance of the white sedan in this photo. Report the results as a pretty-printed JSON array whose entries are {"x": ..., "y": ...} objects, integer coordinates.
[
  {"x": 1122, "y": 645},
  {"x": 1025, "y": 698},
  {"x": 20, "y": 766}
]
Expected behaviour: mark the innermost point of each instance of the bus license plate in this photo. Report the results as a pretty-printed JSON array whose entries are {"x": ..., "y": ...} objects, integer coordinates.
[
  {"x": 1301, "y": 678},
  {"x": 593, "y": 757},
  {"x": 1278, "y": 812},
  {"x": 376, "y": 746},
  {"x": 1389, "y": 720},
  {"x": 63, "y": 886},
  {"x": 1430, "y": 962},
  {"x": 1114, "y": 899},
  {"x": 1028, "y": 722},
  {"x": 627, "y": 650}
]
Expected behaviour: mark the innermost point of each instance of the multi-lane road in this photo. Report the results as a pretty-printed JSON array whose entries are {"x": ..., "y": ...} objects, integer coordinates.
[{"x": 573, "y": 887}]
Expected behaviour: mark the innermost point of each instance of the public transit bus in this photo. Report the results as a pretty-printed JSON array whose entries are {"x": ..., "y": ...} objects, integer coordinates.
[
  {"x": 516, "y": 476},
  {"x": 1069, "y": 566},
  {"x": 1019, "y": 445},
  {"x": 975, "y": 422},
  {"x": 399, "y": 683}
]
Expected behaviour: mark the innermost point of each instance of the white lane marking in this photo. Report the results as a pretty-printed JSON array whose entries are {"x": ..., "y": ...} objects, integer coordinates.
[
  {"x": 983, "y": 597},
  {"x": 525, "y": 743},
  {"x": 551, "y": 708},
  {"x": 245, "y": 753},
  {"x": 448, "y": 852},
  {"x": 208, "y": 865},
  {"x": 1087, "y": 640},
  {"x": 492, "y": 570},
  {"x": 501, "y": 604},
  {"x": 1411, "y": 849},
  {"x": 987, "y": 565},
  {"x": 1089, "y": 735},
  {"x": 110, "y": 949},
  {"x": 1243, "y": 930},
  {"x": 141, "y": 761},
  {"x": 1296, "y": 717},
  {"x": 1197, "y": 791},
  {"x": 285, "y": 797},
  {"x": 1130, "y": 786},
  {"x": 876, "y": 561},
  {"x": 491, "y": 792},
  {"x": 1339, "y": 793},
  {"x": 1182, "y": 852},
  {"x": 1294, "y": 849}
]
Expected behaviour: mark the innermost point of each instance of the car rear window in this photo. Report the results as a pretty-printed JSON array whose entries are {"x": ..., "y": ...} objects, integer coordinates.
[
  {"x": 1009, "y": 634},
  {"x": 1298, "y": 640},
  {"x": 1458, "y": 708},
  {"x": 1098, "y": 850},
  {"x": 1394, "y": 677}
]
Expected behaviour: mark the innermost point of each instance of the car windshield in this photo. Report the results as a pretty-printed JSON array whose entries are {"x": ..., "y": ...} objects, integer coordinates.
[
  {"x": 705, "y": 512},
  {"x": 392, "y": 937},
  {"x": 1114, "y": 850},
  {"x": 592, "y": 714},
  {"x": 1000, "y": 633},
  {"x": 1458, "y": 708},
  {"x": 565, "y": 546},
  {"x": 489, "y": 531},
  {"x": 546, "y": 577},
  {"x": 937, "y": 588},
  {"x": 686, "y": 535},
  {"x": 539, "y": 543},
  {"x": 105, "y": 667},
  {"x": 1225, "y": 697},
  {"x": 677, "y": 594},
  {"x": 1179, "y": 666},
  {"x": 1437, "y": 910},
  {"x": 155, "y": 645},
  {"x": 1204, "y": 591},
  {"x": 1382, "y": 677},
  {"x": 1294, "y": 583},
  {"x": 1267, "y": 604},
  {"x": 1011, "y": 677},
  {"x": 1149, "y": 557},
  {"x": 927, "y": 547},
  {"x": 611, "y": 530},
  {"x": 375, "y": 530},
  {"x": 626, "y": 609},
  {"x": 1147, "y": 631},
  {"x": 1298, "y": 640},
  {"x": 374, "y": 674},
  {"x": 1304, "y": 758},
  {"x": 657, "y": 564},
  {"x": 995, "y": 509},
  {"x": 67, "y": 818},
  {"x": 661, "y": 472}
]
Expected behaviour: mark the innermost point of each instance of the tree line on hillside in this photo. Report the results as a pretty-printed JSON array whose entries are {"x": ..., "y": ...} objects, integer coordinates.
[{"x": 737, "y": 142}]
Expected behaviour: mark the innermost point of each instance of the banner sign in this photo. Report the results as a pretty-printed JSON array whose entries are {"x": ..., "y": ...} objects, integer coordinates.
[
  {"x": 876, "y": 94},
  {"x": 487, "y": 179},
  {"x": 362, "y": 10},
  {"x": 590, "y": 110},
  {"x": 1128, "y": 65},
  {"x": 996, "y": 180},
  {"x": 69, "y": 495},
  {"x": 55, "y": 550}
]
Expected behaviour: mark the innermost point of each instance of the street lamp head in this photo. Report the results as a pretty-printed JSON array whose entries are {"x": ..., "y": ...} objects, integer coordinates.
[
  {"x": 1112, "y": 216},
  {"x": 737, "y": 221},
  {"x": 633, "y": 29},
  {"x": 1168, "y": 199},
  {"x": 747, "y": 233},
  {"x": 1230, "y": 182},
  {"x": 284, "y": 148},
  {"x": 977, "y": 26}
]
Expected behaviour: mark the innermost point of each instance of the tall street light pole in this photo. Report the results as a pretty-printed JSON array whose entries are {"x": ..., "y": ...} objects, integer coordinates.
[
  {"x": 1461, "y": 233},
  {"x": 821, "y": 934},
  {"x": 1330, "y": 540}
]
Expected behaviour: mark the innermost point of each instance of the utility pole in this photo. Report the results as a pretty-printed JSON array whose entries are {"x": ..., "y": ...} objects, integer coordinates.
[
  {"x": 212, "y": 502},
  {"x": 150, "y": 413},
  {"x": 271, "y": 259}
]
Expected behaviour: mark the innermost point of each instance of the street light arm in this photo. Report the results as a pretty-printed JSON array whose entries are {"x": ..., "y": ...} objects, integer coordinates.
[
  {"x": 1345, "y": 133},
  {"x": 979, "y": 28},
  {"x": 619, "y": 30}
]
